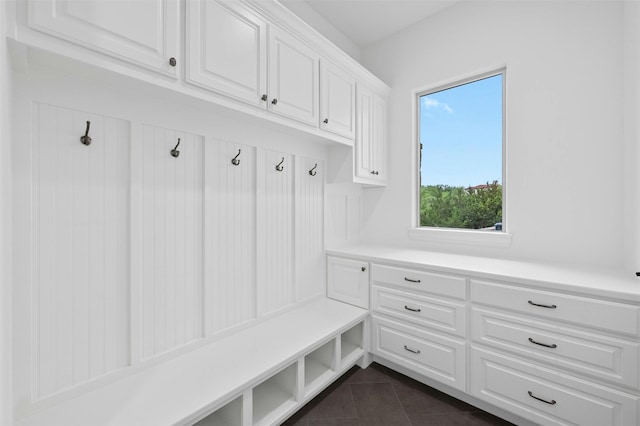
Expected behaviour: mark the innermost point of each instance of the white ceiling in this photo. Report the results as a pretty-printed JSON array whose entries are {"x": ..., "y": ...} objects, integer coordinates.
[{"x": 367, "y": 21}]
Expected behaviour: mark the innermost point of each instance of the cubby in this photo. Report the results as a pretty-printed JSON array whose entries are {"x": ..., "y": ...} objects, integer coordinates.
[
  {"x": 228, "y": 415},
  {"x": 351, "y": 344},
  {"x": 274, "y": 396},
  {"x": 319, "y": 367}
]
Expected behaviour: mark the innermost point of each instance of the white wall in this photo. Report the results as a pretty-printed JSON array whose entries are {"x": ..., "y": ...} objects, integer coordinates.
[
  {"x": 564, "y": 122},
  {"x": 5, "y": 223},
  {"x": 184, "y": 236},
  {"x": 324, "y": 27},
  {"x": 631, "y": 135}
]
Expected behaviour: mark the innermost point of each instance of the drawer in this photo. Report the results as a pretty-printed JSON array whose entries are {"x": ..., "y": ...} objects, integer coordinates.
[
  {"x": 416, "y": 280},
  {"x": 442, "y": 315},
  {"x": 596, "y": 355},
  {"x": 605, "y": 315},
  {"x": 433, "y": 355},
  {"x": 547, "y": 397}
]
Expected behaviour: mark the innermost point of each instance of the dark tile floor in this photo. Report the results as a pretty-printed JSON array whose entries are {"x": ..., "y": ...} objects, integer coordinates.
[{"x": 378, "y": 396}]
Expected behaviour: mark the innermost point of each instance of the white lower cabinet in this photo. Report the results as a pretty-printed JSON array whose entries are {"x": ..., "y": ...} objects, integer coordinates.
[
  {"x": 431, "y": 312},
  {"x": 597, "y": 355},
  {"x": 348, "y": 281},
  {"x": 546, "y": 396},
  {"x": 548, "y": 357},
  {"x": 431, "y": 354},
  {"x": 552, "y": 357}
]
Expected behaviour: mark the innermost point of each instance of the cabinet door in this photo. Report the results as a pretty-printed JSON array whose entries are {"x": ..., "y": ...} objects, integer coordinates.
[
  {"x": 348, "y": 281},
  {"x": 337, "y": 100},
  {"x": 363, "y": 168},
  {"x": 293, "y": 78},
  {"x": 379, "y": 142},
  {"x": 143, "y": 32},
  {"x": 371, "y": 139},
  {"x": 227, "y": 47}
]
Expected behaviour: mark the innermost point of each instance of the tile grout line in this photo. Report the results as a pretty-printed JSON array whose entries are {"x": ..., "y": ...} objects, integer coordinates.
[
  {"x": 393, "y": 389},
  {"x": 353, "y": 401}
]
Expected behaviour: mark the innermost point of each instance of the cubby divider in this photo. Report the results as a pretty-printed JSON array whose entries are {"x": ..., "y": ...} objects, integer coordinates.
[
  {"x": 351, "y": 344},
  {"x": 275, "y": 396},
  {"x": 319, "y": 366},
  {"x": 227, "y": 415}
]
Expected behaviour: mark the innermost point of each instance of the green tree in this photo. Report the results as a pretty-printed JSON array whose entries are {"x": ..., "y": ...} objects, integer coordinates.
[{"x": 458, "y": 207}]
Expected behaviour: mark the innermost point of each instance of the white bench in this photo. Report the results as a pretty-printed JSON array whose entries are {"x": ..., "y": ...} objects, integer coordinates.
[{"x": 258, "y": 376}]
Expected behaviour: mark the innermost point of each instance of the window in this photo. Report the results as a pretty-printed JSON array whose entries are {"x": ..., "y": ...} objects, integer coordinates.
[{"x": 461, "y": 142}]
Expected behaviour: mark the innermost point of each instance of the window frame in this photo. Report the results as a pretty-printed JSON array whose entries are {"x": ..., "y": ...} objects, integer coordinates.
[{"x": 459, "y": 235}]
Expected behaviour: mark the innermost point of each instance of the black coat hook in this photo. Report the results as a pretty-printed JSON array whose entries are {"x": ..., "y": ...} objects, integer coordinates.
[
  {"x": 174, "y": 151},
  {"x": 86, "y": 140},
  {"x": 313, "y": 172},
  {"x": 235, "y": 160},
  {"x": 279, "y": 166}
]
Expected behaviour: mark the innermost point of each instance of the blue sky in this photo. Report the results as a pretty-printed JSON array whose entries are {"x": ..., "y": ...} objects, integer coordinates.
[{"x": 461, "y": 134}]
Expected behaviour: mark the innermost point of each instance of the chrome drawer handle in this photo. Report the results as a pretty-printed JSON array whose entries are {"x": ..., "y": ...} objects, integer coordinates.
[
  {"x": 406, "y": 348},
  {"x": 552, "y": 402},
  {"x": 552, "y": 346},
  {"x": 411, "y": 309},
  {"x": 410, "y": 280},
  {"x": 542, "y": 306}
]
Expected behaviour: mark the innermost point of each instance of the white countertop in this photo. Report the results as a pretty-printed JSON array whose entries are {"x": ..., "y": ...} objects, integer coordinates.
[{"x": 599, "y": 282}]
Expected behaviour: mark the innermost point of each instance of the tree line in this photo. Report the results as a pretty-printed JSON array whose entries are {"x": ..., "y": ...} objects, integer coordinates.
[{"x": 459, "y": 207}]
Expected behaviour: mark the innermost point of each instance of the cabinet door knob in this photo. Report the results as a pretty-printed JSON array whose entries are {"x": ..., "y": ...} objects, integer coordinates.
[
  {"x": 264, "y": 97},
  {"x": 173, "y": 62},
  {"x": 372, "y": 172},
  {"x": 363, "y": 269},
  {"x": 274, "y": 101},
  {"x": 326, "y": 121}
]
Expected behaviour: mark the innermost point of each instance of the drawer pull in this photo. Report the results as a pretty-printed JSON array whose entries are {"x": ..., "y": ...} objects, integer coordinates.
[
  {"x": 542, "y": 306},
  {"x": 411, "y": 309},
  {"x": 552, "y": 402},
  {"x": 410, "y": 280},
  {"x": 552, "y": 346},
  {"x": 406, "y": 348}
]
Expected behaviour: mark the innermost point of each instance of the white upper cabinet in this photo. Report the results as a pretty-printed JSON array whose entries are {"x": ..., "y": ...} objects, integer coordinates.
[
  {"x": 143, "y": 32},
  {"x": 227, "y": 50},
  {"x": 250, "y": 56},
  {"x": 370, "y": 153},
  {"x": 337, "y": 100},
  {"x": 293, "y": 78}
]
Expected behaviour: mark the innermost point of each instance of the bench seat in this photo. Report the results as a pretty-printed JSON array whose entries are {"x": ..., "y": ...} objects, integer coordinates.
[{"x": 188, "y": 388}]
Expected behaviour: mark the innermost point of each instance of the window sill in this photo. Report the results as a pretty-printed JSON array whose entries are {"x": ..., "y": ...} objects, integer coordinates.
[{"x": 461, "y": 237}]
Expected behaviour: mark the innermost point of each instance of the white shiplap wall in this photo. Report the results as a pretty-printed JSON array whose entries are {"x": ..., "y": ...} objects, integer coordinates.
[
  {"x": 230, "y": 243},
  {"x": 275, "y": 238},
  {"x": 171, "y": 225},
  {"x": 134, "y": 255},
  {"x": 309, "y": 228},
  {"x": 79, "y": 247}
]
